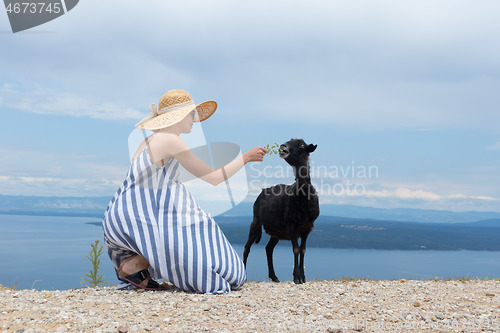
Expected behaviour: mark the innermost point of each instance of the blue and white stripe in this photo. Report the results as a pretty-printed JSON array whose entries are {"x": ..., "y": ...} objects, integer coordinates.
[{"x": 154, "y": 215}]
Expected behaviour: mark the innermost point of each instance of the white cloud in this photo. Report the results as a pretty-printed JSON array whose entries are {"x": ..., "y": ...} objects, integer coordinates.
[
  {"x": 404, "y": 193},
  {"x": 51, "y": 102},
  {"x": 413, "y": 198},
  {"x": 58, "y": 173},
  {"x": 56, "y": 186},
  {"x": 408, "y": 194}
]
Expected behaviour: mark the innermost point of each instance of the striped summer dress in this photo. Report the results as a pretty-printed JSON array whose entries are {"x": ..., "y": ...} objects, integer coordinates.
[{"x": 154, "y": 215}]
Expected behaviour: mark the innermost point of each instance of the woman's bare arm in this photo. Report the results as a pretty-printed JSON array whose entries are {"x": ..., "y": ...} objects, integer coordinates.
[{"x": 166, "y": 145}]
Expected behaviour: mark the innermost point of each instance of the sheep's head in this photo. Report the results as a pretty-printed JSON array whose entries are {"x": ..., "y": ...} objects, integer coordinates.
[{"x": 296, "y": 151}]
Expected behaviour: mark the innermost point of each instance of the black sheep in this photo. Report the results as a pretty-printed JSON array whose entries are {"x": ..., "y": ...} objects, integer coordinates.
[{"x": 287, "y": 211}]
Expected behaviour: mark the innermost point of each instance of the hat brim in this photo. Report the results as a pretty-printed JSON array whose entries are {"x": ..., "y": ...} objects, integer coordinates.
[{"x": 205, "y": 110}]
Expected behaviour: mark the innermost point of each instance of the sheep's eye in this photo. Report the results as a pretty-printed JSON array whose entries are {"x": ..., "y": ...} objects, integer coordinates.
[{"x": 302, "y": 146}]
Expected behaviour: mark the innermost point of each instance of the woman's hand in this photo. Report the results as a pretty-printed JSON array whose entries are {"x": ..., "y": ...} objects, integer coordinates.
[{"x": 254, "y": 155}]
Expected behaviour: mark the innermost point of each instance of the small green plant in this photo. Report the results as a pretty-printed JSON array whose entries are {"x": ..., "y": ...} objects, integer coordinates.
[
  {"x": 93, "y": 278},
  {"x": 270, "y": 149},
  {"x": 9, "y": 287},
  {"x": 33, "y": 286}
]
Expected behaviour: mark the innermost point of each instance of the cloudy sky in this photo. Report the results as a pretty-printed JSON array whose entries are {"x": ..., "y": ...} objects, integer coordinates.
[{"x": 401, "y": 97}]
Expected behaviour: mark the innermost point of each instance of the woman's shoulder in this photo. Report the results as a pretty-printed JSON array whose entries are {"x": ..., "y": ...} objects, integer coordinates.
[
  {"x": 165, "y": 137},
  {"x": 170, "y": 142}
]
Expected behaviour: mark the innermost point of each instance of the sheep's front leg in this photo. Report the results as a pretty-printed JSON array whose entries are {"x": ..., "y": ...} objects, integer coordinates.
[
  {"x": 302, "y": 253},
  {"x": 296, "y": 269}
]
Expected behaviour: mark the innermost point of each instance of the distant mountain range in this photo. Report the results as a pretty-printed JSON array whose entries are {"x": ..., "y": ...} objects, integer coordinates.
[
  {"x": 394, "y": 214},
  {"x": 95, "y": 207},
  {"x": 350, "y": 233},
  {"x": 338, "y": 226}
]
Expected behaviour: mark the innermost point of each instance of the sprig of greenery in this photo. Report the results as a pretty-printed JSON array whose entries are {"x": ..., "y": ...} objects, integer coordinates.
[
  {"x": 93, "y": 277},
  {"x": 270, "y": 149}
]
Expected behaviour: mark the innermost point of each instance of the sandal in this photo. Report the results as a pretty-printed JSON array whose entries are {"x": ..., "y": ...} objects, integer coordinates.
[{"x": 137, "y": 278}]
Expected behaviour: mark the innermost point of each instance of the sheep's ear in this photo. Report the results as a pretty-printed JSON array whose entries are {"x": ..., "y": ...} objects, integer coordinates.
[{"x": 311, "y": 148}]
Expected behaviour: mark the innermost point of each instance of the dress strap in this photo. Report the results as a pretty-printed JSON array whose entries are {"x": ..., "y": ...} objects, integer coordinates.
[{"x": 148, "y": 151}]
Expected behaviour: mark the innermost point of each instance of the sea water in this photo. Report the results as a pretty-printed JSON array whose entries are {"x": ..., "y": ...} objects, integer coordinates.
[{"x": 48, "y": 252}]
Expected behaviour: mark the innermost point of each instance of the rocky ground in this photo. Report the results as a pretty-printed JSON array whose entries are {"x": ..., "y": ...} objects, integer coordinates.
[{"x": 322, "y": 306}]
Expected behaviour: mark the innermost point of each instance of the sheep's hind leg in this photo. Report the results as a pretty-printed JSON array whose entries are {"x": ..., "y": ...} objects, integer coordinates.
[{"x": 269, "y": 252}]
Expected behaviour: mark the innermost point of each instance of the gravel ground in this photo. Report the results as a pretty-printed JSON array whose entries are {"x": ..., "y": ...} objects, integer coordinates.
[{"x": 322, "y": 306}]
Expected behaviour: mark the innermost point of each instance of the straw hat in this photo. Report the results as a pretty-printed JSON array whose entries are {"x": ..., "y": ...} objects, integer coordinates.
[{"x": 174, "y": 106}]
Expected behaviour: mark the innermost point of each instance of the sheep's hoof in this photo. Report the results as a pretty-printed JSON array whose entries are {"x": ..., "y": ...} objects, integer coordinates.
[
  {"x": 275, "y": 279},
  {"x": 299, "y": 280}
]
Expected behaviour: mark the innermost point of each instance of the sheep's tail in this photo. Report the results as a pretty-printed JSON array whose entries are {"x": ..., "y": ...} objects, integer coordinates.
[
  {"x": 255, "y": 232},
  {"x": 259, "y": 234}
]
